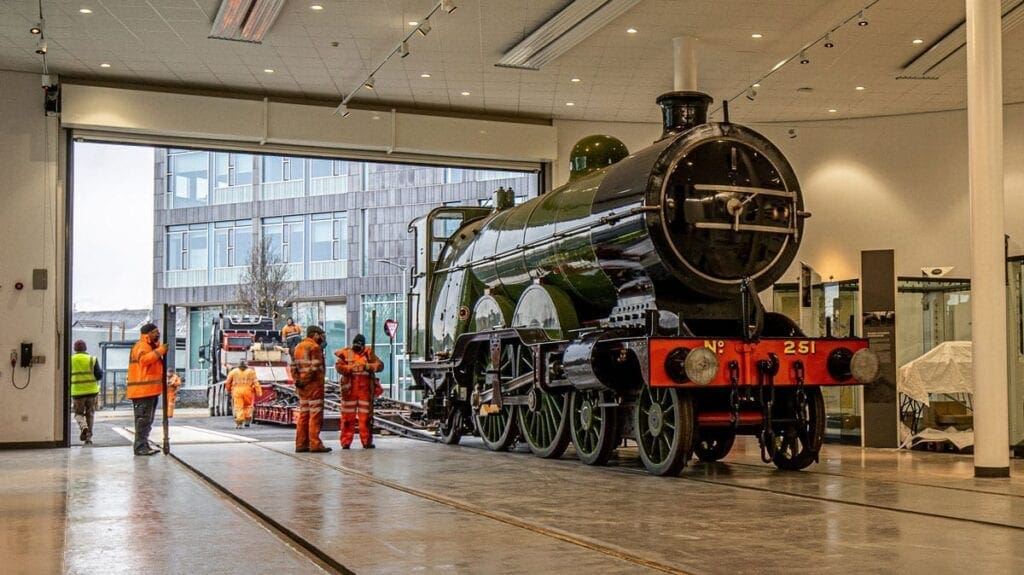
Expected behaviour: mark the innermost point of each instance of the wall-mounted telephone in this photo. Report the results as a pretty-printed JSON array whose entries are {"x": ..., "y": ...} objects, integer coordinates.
[{"x": 26, "y": 355}]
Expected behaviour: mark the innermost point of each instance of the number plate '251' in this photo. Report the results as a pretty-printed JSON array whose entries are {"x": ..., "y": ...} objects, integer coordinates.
[{"x": 798, "y": 347}]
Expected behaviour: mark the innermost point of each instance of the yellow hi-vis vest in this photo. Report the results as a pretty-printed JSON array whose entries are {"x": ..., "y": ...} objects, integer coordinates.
[{"x": 83, "y": 382}]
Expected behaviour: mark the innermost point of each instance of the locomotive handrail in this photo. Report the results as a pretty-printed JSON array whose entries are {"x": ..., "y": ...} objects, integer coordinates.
[
  {"x": 609, "y": 219},
  {"x": 745, "y": 227},
  {"x": 743, "y": 190}
]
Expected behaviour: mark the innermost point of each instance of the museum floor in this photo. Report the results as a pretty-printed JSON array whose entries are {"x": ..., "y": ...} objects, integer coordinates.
[{"x": 256, "y": 507}]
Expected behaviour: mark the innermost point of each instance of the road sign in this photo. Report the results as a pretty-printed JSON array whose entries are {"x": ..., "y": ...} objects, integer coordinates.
[{"x": 390, "y": 328}]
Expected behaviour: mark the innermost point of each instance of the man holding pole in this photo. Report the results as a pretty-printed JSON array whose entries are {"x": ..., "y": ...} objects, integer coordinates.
[{"x": 357, "y": 364}]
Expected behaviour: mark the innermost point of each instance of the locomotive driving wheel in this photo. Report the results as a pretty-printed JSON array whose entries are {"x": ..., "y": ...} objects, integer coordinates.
[
  {"x": 544, "y": 422},
  {"x": 453, "y": 425},
  {"x": 797, "y": 443},
  {"x": 714, "y": 444},
  {"x": 594, "y": 424},
  {"x": 663, "y": 420},
  {"x": 497, "y": 430}
]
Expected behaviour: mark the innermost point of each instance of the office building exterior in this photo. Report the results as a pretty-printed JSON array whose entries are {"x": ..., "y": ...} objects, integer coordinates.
[{"x": 329, "y": 222}]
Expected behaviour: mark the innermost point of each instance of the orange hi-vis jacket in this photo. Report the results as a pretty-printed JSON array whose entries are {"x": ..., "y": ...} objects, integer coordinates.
[
  {"x": 348, "y": 359},
  {"x": 308, "y": 363},
  {"x": 145, "y": 370},
  {"x": 290, "y": 330},
  {"x": 243, "y": 383}
]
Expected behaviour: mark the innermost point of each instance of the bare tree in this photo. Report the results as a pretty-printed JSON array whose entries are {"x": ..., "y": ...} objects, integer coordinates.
[{"x": 264, "y": 288}]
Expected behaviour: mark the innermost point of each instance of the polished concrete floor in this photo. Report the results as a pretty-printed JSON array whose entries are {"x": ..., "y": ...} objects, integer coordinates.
[{"x": 416, "y": 507}]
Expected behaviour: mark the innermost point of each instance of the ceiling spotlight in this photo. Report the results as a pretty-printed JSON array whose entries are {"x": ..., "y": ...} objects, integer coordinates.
[
  {"x": 413, "y": 23},
  {"x": 41, "y": 46},
  {"x": 104, "y": 65},
  {"x": 570, "y": 103},
  {"x": 859, "y": 88},
  {"x": 465, "y": 93},
  {"x": 832, "y": 110},
  {"x": 37, "y": 29},
  {"x": 828, "y": 41},
  {"x": 268, "y": 70},
  {"x": 803, "y": 58},
  {"x": 316, "y": 7},
  {"x": 342, "y": 110},
  {"x": 756, "y": 86},
  {"x": 85, "y": 11},
  {"x": 448, "y": 6},
  {"x": 424, "y": 28},
  {"x": 751, "y": 94},
  {"x": 756, "y": 36},
  {"x": 368, "y": 84},
  {"x": 630, "y": 30},
  {"x": 914, "y": 41},
  {"x": 792, "y": 133},
  {"x": 403, "y": 49},
  {"x": 861, "y": 20},
  {"x": 424, "y": 75},
  {"x": 575, "y": 80}
]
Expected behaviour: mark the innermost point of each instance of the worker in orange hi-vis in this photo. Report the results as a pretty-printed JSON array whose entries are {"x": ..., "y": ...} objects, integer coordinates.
[
  {"x": 308, "y": 373},
  {"x": 244, "y": 388},
  {"x": 357, "y": 364},
  {"x": 173, "y": 383},
  {"x": 145, "y": 384},
  {"x": 290, "y": 329}
]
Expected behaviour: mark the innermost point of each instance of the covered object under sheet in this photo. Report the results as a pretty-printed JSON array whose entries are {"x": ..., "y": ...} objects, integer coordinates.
[{"x": 944, "y": 369}]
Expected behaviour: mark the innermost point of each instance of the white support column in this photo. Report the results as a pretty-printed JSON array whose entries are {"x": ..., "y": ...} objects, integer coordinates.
[
  {"x": 988, "y": 290},
  {"x": 684, "y": 51}
]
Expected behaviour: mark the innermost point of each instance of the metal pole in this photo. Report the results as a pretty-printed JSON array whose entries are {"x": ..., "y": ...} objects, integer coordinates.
[
  {"x": 170, "y": 330},
  {"x": 391, "y": 384},
  {"x": 988, "y": 259},
  {"x": 373, "y": 375}
]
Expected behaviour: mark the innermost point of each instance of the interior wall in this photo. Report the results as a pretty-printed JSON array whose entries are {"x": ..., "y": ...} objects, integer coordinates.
[{"x": 31, "y": 237}]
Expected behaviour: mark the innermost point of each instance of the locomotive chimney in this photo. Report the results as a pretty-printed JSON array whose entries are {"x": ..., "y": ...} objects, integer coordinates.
[{"x": 684, "y": 107}]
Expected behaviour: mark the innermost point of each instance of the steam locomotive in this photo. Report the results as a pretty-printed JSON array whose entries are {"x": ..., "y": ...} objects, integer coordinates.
[{"x": 624, "y": 305}]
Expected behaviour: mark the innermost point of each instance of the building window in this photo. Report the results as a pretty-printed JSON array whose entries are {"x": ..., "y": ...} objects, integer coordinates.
[
  {"x": 232, "y": 242},
  {"x": 319, "y": 168},
  {"x": 395, "y": 378},
  {"x": 328, "y": 245},
  {"x": 188, "y": 178},
  {"x": 187, "y": 255},
  {"x": 283, "y": 168},
  {"x": 454, "y": 175},
  {"x": 284, "y": 237}
]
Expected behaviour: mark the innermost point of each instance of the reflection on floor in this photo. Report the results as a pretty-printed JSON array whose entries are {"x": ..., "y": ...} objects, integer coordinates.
[{"x": 412, "y": 506}]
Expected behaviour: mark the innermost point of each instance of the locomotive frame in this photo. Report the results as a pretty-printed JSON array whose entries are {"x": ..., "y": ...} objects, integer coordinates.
[{"x": 624, "y": 305}]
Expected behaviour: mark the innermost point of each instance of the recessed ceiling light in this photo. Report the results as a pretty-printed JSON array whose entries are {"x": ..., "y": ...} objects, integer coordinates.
[
  {"x": 570, "y": 103},
  {"x": 376, "y": 117},
  {"x": 575, "y": 80},
  {"x": 756, "y": 36},
  {"x": 424, "y": 75},
  {"x": 832, "y": 110},
  {"x": 917, "y": 41},
  {"x": 756, "y": 86},
  {"x": 85, "y": 10},
  {"x": 860, "y": 88},
  {"x": 413, "y": 23},
  {"x": 630, "y": 30},
  {"x": 465, "y": 93},
  {"x": 268, "y": 70},
  {"x": 316, "y": 7},
  {"x": 104, "y": 65}
]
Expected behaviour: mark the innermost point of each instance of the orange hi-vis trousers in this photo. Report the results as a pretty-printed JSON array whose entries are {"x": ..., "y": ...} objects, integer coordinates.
[
  {"x": 311, "y": 417},
  {"x": 355, "y": 405}
]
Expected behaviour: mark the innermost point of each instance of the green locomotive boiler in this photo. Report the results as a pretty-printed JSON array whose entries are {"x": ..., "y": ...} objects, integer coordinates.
[{"x": 624, "y": 305}]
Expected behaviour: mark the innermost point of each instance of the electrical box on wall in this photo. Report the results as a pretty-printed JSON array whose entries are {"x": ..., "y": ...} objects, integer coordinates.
[
  {"x": 26, "y": 354},
  {"x": 39, "y": 278}
]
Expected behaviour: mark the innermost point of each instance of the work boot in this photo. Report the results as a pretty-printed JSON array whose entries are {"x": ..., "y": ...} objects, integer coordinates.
[
  {"x": 301, "y": 450},
  {"x": 346, "y": 447},
  {"x": 88, "y": 442},
  {"x": 149, "y": 451},
  {"x": 370, "y": 446},
  {"x": 238, "y": 426},
  {"x": 84, "y": 435},
  {"x": 246, "y": 424},
  {"x": 323, "y": 449}
]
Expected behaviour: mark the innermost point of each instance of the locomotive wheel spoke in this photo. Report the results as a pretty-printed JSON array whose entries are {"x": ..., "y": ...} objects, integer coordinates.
[
  {"x": 663, "y": 419},
  {"x": 497, "y": 430},
  {"x": 546, "y": 430},
  {"x": 798, "y": 447},
  {"x": 595, "y": 432}
]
